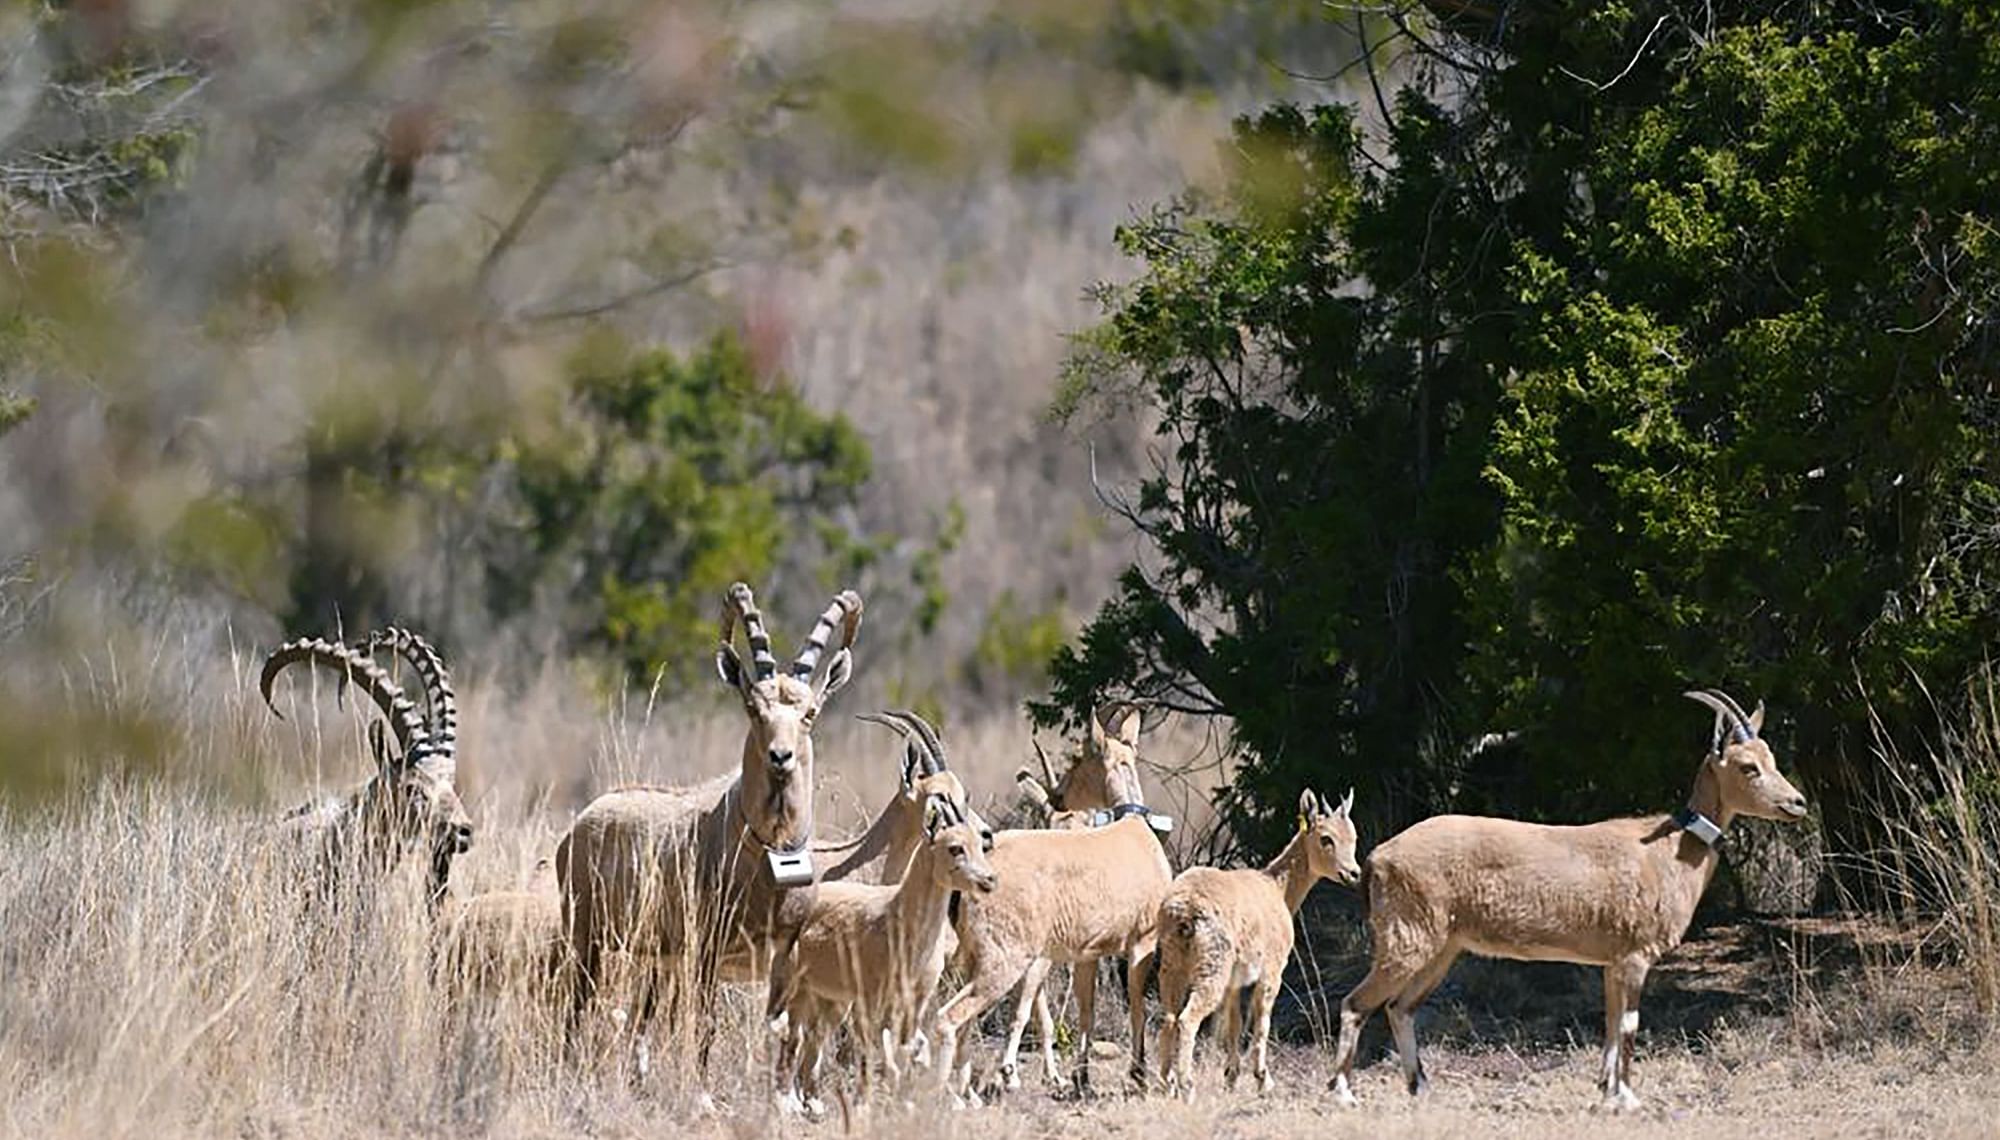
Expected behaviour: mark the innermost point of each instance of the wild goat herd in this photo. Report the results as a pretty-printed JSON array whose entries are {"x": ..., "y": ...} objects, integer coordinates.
[{"x": 726, "y": 881}]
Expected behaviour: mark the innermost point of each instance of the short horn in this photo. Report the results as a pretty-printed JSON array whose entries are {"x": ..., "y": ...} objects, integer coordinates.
[
  {"x": 844, "y": 612},
  {"x": 412, "y": 739},
  {"x": 1741, "y": 716}
]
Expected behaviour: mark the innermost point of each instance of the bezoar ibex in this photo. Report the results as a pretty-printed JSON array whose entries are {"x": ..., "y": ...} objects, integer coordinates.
[
  {"x": 1065, "y": 897},
  {"x": 1224, "y": 931},
  {"x": 410, "y": 802},
  {"x": 871, "y": 952},
  {"x": 1617, "y": 894},
  {"x": 718, "y": 873},
  {"x": 1103, "y": 774},
  {"x": 880, "y": 854}
]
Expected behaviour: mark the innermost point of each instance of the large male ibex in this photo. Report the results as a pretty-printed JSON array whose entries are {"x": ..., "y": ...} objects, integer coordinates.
[
  {"x": 718, "y": 873},
  {"x": 1616, "y": 894},
  {"x": 410, "y": 803}
]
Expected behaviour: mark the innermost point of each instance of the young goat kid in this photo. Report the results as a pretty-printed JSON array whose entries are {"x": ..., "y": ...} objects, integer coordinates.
[
  {"x": 870, "y": 951},
  {"x": 1224, "y": 931},
  {"x": 1616, "y": 894}
]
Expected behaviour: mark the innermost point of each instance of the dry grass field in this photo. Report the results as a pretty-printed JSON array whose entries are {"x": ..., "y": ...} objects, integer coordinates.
[{"x": 162, "y": 973}]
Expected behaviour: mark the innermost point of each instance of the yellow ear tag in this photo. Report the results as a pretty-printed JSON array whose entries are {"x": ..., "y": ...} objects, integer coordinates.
[{"x": 1305, "y": 824}]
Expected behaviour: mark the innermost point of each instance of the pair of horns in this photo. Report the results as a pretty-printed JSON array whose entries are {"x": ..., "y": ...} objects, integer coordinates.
[
  {"x": 1742, "y": 726},
  {"x": 1313, "y": 806},
  {"x": 740, "y": 605},
  {"x": 923, "y": 743},
  {"x": 413, "y": 739},
  {"x": 440, "y": 702}
]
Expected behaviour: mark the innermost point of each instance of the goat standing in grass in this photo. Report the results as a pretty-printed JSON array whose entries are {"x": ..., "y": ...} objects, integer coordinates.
[
  {"x": 871, "y": 952},
  {"x": 1616, "y": 894},
  {"x": 719, "y": 874},
  {"x": 1224, "y": 931},
  {"x": 1064, "y": 897}
]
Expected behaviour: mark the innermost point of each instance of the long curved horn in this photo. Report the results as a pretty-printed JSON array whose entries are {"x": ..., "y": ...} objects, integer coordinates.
[
  {"x": 845, "y": 611},
  {"x": 740, "y": 603},
  {"x": 440, "y": 702},
  {"x": 1048, "y": 769},
  {"x": 1739, "y": 729},
  {"x": 411, "y": 737}
]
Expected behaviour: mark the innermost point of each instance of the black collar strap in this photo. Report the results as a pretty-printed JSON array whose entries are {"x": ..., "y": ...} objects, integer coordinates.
[
  {"x": 1123, "y": 810},
  {"x": 1698, "y": 825}
]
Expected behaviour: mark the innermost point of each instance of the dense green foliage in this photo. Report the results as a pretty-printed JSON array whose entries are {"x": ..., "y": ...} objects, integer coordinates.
[
  {"x": 664, "y": 481},
  {"x": 1584, "y": 393}
]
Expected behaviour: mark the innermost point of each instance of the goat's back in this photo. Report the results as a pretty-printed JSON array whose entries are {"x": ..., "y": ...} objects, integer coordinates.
[
  {"x": 1509, "y": 889},
  {"x": 1067, "y": 895}
]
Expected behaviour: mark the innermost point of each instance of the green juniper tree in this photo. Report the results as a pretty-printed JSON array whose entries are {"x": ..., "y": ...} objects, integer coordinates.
[{"x": 1651, "y": 345}]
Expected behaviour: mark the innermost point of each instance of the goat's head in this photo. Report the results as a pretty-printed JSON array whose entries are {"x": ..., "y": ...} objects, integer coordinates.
[
  {"x": 422, "y": 808},
  {"x": 958, "y": 857},
  {"x": 426, "y": 790},
  {"x": 1329, "y": 837},
  {"x": 1103, "y": 774},
  {"x": 410, "y": 802},
  {"x": 1747, "y": 780},
  {"x": 925, "y": 773},
  {"x": 782, "y": 706}
]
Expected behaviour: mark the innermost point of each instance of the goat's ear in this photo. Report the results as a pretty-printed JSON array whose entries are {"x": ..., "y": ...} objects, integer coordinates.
[
  {"x": 1757, "y": 720},
  {"x": 1309, "y": 808},
  {"x": 838, "y": 672},
  {"x": 1097, "y": 736},
  {"x": 728, "y": 667},
  {"x": 912, "y": 763},
  {"x": 1127, "y": 727}
]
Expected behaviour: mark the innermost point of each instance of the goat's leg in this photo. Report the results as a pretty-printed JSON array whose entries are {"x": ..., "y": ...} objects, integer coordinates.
[
  {"x": 1045, "y": 1026},
  {"x": 1403, "y": 1017},
  {"x": 1262, "y": 1000},
  {"x": 1622, "y": 981},
  {"x": 1024, "y": 1006},
  {"x": 1383, "y": 982},
  {"x": 989, "y": 984},
  {"x": 1083, "y": 982},
  {"x": 1232, "y": 1035},
  {"x": 1204, "y": 993},
  {"x": 1138, "y": 968}
]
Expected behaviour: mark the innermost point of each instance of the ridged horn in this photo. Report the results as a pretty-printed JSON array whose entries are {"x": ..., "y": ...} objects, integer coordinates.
[
  {"x": 1739, "y": 726},
  {"x": 440, "y": 702},
  {"x": 412, "y": 739},
  {"x": 737, "y": 604},
  {"x": 845, "y": 612}
]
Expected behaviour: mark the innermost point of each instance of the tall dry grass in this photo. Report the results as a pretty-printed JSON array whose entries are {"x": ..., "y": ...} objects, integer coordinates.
[
  {"x": 166, "y": 967},
  {"x": 1939, "y": 860}
]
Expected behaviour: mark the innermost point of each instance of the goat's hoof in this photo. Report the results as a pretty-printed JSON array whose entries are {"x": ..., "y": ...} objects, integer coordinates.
[
  {"x": 1265, "y": 1084},
  {"x": 1010, "y": 1078},
  {"x": 1342, "y": 1095},
  {"x": 1624, "y": 1100}
]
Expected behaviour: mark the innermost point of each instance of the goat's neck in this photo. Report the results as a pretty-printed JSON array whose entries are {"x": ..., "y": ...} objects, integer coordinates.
[
  {"x": 920, "y": 906},
  {"x": 776, "y": 817},
  {"x": 885, "y": 838},
  {"x": 1292, "y": 871},
  {"x": 1707, "y": 797}
]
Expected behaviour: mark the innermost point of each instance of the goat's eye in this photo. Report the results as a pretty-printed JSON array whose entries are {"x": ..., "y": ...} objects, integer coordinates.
[
  {"x": 958, "y": 850},
  {"x": 1751, "y": 771},
  {"x": 1326, "y": 841}
]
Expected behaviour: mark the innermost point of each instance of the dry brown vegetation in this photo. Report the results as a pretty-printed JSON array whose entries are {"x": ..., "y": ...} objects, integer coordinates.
[{"x": 163, "y": 975}]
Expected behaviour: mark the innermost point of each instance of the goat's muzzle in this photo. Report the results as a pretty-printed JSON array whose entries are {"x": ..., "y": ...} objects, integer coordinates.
[
  {"x": 1794, "y": 807},
  {"x": 783, "y": 762}
]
